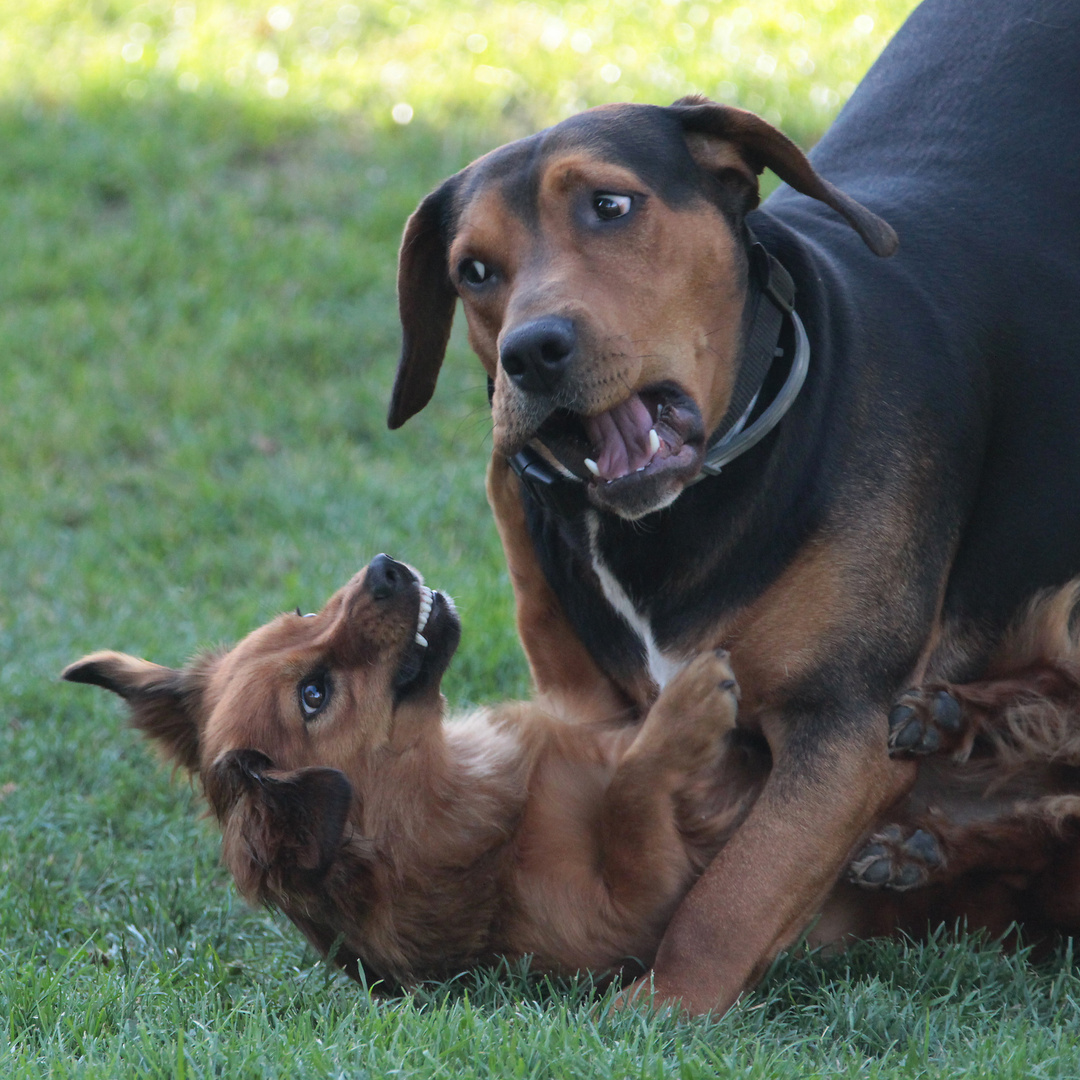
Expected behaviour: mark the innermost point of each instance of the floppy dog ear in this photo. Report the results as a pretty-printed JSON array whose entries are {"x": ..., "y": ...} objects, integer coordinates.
[
  {"x": 281, "y": 828},
  {"x": 165, "y": 704},
  {"x": 426, "y": 298},
  {"x": 759, "y": 144}
]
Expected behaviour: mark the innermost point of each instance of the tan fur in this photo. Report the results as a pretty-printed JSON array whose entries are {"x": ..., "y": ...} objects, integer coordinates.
[
  {"x": 672, "y": 302},
  {"x": 561, "y": 667},
  {"x": 786, "y": 633},
  {"x": 416, "y": 845}
]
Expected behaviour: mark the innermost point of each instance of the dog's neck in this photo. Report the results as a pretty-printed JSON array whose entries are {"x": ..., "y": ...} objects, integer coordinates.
[{"x": 749, "y": 418}]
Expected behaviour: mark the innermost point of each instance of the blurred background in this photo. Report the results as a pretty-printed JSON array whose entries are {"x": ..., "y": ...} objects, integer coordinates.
[{"x": 514, "y": 65}]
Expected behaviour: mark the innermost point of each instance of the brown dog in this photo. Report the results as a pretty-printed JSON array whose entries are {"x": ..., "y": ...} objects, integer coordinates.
[
  {"x": 413, "y": 846},
  {"x": 346, "y": 800},
  {"x": 723, "y": 425}
]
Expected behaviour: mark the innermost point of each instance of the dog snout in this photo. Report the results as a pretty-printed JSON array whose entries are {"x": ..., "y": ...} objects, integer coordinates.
[
  {"x": 538, "y": 354},
  {"x": 386, "y": 577}
]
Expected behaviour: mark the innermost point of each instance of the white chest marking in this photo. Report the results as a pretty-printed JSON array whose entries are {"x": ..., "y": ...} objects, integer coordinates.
[{"x": 662, "y": 668}]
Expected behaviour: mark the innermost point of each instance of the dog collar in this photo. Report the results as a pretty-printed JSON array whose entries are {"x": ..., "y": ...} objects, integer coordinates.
[{"x": 773, "y": 302}]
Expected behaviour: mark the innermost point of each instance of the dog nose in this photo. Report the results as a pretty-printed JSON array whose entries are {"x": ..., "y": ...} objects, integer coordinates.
[
  {"x": 385, "y": 577},
  {"x": 537, "y": 355}
]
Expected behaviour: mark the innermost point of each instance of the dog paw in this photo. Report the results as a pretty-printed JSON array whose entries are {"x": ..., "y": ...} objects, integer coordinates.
[
  {"x": 706, "y": 689},
  {"x": 895, "y": 861},
  {"x": 925, "y": 721},
  {"x": 698, "y": 707}
]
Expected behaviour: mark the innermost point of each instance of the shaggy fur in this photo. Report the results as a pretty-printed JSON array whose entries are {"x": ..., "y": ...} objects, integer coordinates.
[
  {"x": 422, "y": 844},
  {"x": 413, "y": 845}
]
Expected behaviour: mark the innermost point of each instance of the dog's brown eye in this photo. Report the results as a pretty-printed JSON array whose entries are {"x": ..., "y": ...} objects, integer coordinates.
[
  {"x": 313, "y": 696},
  {"x": 474, "y": 272},
  {"x": 608, "y": 207}
]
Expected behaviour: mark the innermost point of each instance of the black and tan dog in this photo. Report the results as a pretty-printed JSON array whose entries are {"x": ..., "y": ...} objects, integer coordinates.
[
  {"x": 414, "y": 845},
  {"x": 868, "y": 510}
]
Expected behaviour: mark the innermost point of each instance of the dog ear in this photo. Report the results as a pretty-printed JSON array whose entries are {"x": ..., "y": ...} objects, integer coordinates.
[
  {"x": 426, "y": 299},
  {"x": 165, "y": 704},
  {"x": 758, "y": 145},
  {"x": 281, "y": 828}
]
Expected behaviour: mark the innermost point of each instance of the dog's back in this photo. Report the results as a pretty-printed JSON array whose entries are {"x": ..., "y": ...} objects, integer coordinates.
[{"x": 964, "y": 136}]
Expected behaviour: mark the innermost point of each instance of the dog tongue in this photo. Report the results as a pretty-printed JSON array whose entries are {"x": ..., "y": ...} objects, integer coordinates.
[{"x": 620, "y": 438}]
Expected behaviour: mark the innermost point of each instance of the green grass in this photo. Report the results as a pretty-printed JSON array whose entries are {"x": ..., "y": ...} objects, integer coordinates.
[
  {"x": 507, "y": 63},
  {"x": 197, "y": 339}
]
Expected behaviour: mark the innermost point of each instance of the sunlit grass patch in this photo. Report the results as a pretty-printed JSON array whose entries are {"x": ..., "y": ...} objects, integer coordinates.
[{"x": 522, "y": 63}]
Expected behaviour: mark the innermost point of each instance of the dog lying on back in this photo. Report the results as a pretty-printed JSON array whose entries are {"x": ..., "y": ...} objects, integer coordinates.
[
  {"x": 346, "y": 801},
  {"x": 414, "y": 847}
]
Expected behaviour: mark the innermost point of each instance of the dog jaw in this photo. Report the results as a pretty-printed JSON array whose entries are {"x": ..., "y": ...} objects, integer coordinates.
[{"x": 647, "y": 449}]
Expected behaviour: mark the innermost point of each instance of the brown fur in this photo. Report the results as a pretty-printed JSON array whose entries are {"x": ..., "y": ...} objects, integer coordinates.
[
  {"x": 415, "y": 845},
  {"x": 1001, "y": 797},
  {"x": 429, "y": 844}
]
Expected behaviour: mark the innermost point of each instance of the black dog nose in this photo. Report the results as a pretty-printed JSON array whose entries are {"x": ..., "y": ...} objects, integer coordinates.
[
  {"x": 385, "y": 577},
  {"x": 537, "y": 355}
]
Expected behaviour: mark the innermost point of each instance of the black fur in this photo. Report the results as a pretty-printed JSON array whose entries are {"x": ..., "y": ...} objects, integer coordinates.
[{"x": 945, "y": 380}]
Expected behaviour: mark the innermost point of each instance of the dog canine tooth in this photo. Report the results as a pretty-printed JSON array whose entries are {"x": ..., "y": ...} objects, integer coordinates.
[
  {"x": 654, "y": 441},
  {"x": 592, "y": 466},
  {"x": 420, "y": 640}
]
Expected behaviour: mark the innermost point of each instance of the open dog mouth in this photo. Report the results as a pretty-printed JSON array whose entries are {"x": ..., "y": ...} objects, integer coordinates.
[
  {"x": 433, "y": 644},
  {"x": 656, "y": 431}
]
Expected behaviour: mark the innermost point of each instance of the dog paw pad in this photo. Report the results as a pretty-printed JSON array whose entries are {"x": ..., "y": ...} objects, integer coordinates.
[
  {"x": 924, "y": 722},
  {"x": 895, "y": 862}
]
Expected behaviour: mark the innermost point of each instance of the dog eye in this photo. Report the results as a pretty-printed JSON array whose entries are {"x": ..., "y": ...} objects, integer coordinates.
[
  {"x": 474, "y": 272},
  {"x": 314, "y": 695},
  {"x": 608, "y": 206}
]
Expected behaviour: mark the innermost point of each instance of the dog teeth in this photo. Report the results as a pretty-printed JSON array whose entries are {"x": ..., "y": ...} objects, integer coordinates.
[
  {"x": 654, "y": 441},
  {"x": 427, "y": 600},
  {"x": 592, "y": 466}
]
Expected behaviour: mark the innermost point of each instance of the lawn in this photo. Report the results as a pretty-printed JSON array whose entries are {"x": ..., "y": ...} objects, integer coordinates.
[{"x": 200, "y": 205}]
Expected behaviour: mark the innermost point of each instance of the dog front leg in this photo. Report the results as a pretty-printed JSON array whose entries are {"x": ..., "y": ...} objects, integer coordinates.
[
  {"x": 775, "y": 873},
  {"x": 645, "y": 863},
  {"x": 562, "y": 669}
]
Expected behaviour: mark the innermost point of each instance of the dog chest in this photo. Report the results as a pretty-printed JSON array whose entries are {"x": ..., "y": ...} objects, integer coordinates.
[{"x": 662, "y": 666}]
